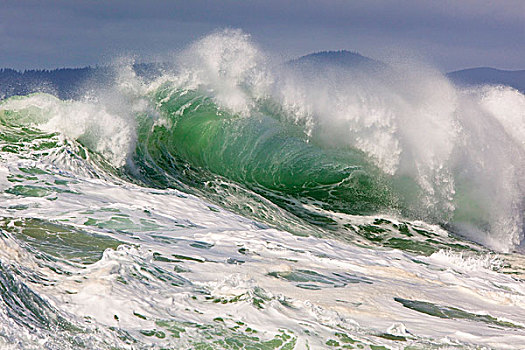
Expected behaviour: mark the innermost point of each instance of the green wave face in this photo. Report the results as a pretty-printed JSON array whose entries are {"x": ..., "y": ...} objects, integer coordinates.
[
  {"x": 198, "y": 144},
  {"x": 158, "y": 214},
  {"x": 283, "y": 143},
  {"x": 260, "y": 152},
  {"x": 265, "y": 166}
]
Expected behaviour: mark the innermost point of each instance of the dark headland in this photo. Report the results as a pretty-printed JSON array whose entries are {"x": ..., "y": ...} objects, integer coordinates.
[{"x": 69, "y": 83}]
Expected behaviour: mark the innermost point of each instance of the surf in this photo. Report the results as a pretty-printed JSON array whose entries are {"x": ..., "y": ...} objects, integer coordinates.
[
  {"x": 360, "y": 140},
  {"x": 233, "y": 200}
]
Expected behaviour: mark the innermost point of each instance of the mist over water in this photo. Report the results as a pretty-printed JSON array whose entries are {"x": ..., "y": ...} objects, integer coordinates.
[
  {"x": 406, "y": 141},
  {"x": 225, "y": 148},
  {"x": 433, "y": 151}
]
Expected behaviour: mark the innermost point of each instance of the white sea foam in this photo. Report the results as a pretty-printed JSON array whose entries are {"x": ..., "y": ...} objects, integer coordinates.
[
  {"x": 230, "y": 66},
  {"x": 409, "y": 119},
  {"x": 463, "y": 148},
  {"x": 186, "y": 263},
  {"x": 106, "y": 133},
  {"x": 132, "y": 281}
]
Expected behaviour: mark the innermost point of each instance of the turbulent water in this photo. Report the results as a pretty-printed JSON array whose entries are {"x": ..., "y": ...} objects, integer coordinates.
[{"x": 231, "y": 203}]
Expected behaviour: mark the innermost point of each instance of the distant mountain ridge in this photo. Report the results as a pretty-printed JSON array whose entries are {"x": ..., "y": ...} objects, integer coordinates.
[
  {"x": 342, "y": 58},
  {"x": 487, "y": 75},
  {"x": 65, "y": 83},
  {"x": 69, "y": 83},
  {"x": 464, "y": 77}
]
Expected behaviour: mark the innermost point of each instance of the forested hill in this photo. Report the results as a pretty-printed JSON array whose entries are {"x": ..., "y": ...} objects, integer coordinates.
[
  {"x": 492, "y": 76},
  {"x": 71, "y": 83},
  {"x": 66, "y": 83},
  {"x": 342, "y": 58}
]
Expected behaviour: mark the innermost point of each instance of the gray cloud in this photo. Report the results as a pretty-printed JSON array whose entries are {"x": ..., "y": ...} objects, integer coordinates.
[{"x": 450, "y": 34}]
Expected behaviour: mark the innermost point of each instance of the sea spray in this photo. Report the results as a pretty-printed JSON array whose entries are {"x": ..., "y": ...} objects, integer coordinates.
[
  {"x": 105, "y": 133},
  {"x": 232, "y": 203},
  {"x": 415, "y": 126},
  {"x": 359, "y": 140}
]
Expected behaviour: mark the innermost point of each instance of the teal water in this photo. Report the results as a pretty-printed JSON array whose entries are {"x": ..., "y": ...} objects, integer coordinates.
[{"x": 228, "y": 206}]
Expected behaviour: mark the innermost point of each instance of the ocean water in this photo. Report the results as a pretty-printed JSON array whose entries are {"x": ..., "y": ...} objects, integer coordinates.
[{"x": 231, "y": 203}]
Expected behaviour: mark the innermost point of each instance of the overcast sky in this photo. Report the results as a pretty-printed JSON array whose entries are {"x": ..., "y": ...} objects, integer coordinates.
[{"x": 450, "y": 34}]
